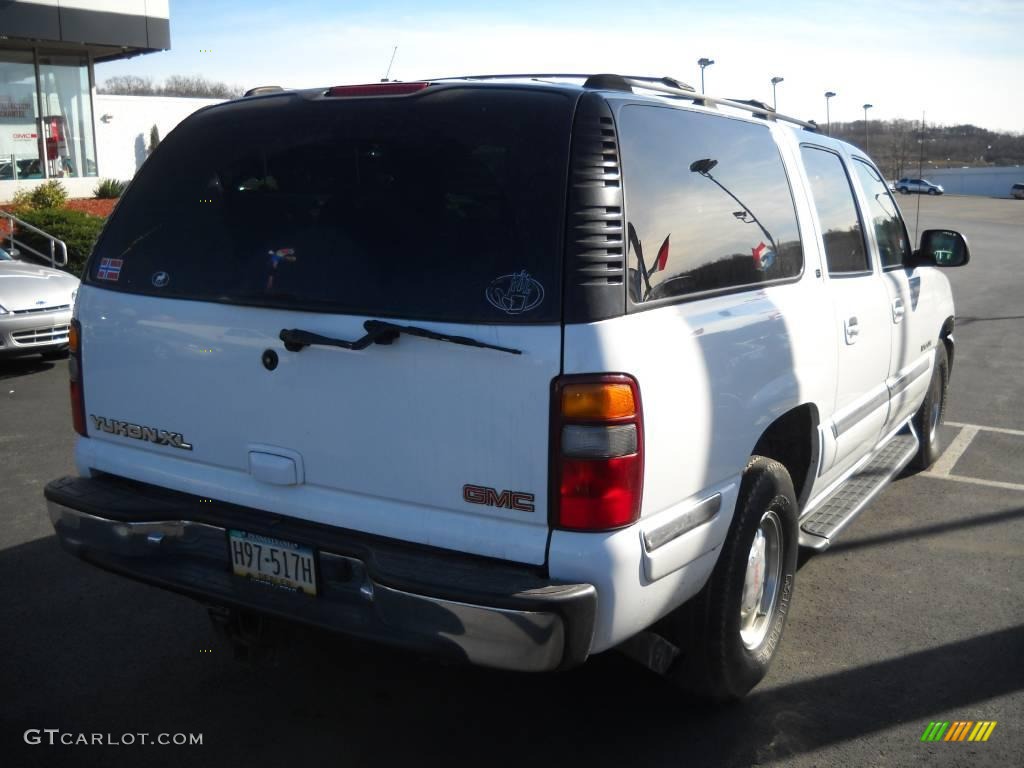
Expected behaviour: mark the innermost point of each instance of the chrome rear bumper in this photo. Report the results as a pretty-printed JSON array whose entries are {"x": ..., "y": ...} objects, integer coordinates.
[{"x": 544, "y": 628}]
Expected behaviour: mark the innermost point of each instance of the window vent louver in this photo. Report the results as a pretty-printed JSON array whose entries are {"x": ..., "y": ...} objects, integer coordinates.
[{"x": 595, "y": 246}]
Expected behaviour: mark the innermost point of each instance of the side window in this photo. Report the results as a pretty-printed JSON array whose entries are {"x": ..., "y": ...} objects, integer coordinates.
[
  {"x": 837, "y": 211},
  {"x": 708, "y": 204},
  {"x": 890, "y": 232}
]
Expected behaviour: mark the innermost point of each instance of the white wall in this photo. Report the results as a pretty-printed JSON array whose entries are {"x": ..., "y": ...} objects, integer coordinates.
[
  {"x": 123, "y": 124},
  {"x": 990, "y": 182}
]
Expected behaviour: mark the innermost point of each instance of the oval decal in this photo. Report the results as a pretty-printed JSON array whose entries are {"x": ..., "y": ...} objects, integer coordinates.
[{"x": 515, "y": 294}]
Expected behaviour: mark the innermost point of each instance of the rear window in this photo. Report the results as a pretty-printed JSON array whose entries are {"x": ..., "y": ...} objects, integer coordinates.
[{"x": 444, "y": 206}]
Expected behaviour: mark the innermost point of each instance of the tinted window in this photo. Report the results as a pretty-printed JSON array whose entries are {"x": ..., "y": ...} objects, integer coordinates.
[
  {"x": 708, "y": 204},
  {"x": 444, "y": 206},
  {"x": 890, "y": 232},
  {"x": 837, "y": 211}
]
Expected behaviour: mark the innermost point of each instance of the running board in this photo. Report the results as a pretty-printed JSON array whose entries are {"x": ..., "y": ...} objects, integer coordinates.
[{"x": 821, "y": 526}]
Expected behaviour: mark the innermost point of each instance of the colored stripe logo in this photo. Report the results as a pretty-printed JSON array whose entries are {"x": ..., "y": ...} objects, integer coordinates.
[{"x": 959, "y": 730}]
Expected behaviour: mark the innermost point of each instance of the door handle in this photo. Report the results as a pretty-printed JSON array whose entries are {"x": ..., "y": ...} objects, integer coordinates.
[
  {"x": 897, "y": 310},
  {"x": 852, "y": 328}
]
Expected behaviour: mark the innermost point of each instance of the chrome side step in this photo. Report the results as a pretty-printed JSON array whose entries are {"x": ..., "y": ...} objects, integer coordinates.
[{"x": 823, "y": 523}]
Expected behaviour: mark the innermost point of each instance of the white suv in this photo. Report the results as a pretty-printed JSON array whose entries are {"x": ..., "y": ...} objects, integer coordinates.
[{"x": 516, "y": 371}]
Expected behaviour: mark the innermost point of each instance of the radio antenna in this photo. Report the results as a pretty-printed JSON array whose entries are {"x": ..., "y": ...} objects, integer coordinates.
[
  {"x": 920, "y": 175},
  {"x": 388, "y": 73}
]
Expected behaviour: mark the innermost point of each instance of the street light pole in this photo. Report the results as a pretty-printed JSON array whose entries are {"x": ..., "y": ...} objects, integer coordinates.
[
  {"x": 775, "y": 81},
  {"x": 828, "y": 114},
  {"x": 866, "y": 108},
  {"x": 703, "y": 63}
]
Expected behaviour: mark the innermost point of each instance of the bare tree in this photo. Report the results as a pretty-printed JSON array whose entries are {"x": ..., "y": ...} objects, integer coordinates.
[
  {"x": 194, "y": 86},
  {"x": 129, "y": 85},
  {"x": 895, "y": 145}
]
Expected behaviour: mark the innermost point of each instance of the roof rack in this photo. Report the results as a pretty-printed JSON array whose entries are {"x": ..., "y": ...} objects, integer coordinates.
[
  {"x": 662, "y": 85},
  {"x": 263, "y": 89},
  {"x": 590, "y": 81}
]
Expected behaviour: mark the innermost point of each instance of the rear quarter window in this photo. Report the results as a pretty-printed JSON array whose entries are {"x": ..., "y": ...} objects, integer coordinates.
[
  {"x": 708, "y": 204},
  {"x": 442, "y": 206}
]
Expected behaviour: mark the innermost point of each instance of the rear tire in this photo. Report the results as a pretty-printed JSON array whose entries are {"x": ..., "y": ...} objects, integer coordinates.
[
  {"x": 729, "y": 633},
  {"x": 930, "y": 415}
]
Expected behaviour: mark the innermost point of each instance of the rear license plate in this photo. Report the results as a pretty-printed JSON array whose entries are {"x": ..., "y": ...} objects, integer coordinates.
[{"x": 272, "y": 561}]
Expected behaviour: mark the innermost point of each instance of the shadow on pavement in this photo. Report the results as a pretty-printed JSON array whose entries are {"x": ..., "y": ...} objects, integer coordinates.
[
  {"x": 108, "y": 655},
  {"x": 974, "y": 521},
  {"x": 14, "y": 367}
]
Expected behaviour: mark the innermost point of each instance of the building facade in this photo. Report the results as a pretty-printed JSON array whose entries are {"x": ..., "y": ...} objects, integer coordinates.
[{"x": 48, "y": 49}]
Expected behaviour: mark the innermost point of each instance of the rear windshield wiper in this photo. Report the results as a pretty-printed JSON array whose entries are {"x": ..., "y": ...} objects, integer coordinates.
[{"x": 378, "y": 332}]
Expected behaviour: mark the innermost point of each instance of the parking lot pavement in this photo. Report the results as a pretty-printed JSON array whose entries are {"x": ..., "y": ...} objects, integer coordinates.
[{"x": 916, "y": 615}]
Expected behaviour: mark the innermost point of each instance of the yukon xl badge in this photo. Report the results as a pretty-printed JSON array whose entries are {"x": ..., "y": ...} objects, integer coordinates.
[{"x": 138, "y": 432}]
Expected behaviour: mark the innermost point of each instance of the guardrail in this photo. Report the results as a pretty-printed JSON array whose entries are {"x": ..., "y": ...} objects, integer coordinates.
[{"x": 55, "y": 243}]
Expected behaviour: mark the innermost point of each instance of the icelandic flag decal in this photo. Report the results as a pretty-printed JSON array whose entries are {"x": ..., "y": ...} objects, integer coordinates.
[{"x": 109, "y": 269}]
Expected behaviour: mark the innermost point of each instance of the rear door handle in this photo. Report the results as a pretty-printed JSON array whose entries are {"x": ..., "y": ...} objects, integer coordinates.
[
  {"x": 852, "y": 329},
  {"x": 897, "y": 310}
]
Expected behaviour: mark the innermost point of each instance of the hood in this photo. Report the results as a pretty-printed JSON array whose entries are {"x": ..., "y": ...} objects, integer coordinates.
[{"x": 30, "y": 286}]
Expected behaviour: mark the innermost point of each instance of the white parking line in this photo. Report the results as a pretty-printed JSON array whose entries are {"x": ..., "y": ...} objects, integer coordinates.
[
  {"x": 943, "y": 468},
  {"x": 976, "y": 481},
  {"x": 956, "y": 449},
  {"x": 1004, "y": 430}
]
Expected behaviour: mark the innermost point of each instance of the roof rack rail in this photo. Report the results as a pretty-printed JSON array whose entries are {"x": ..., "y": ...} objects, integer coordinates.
[
  {"x": 263, "y": 89},
  {"x": 607, "y": 81},
  {"x": 757, "y": 108},
  {"x": 662, "y": 85}
]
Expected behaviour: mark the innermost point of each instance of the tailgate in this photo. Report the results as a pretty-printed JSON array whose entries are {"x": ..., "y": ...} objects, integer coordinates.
[
  {"x": 442, "y": 210},
  {"x": 384, "y": 440}
]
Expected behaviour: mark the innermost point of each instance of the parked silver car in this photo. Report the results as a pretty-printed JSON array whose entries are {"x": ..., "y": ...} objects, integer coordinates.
[
  {"x": 35, "y": 308},
  {"x": 921, "y": 186}
]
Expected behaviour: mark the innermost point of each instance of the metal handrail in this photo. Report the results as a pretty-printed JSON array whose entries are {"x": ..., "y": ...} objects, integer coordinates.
[{"x": 54, "y": 241}]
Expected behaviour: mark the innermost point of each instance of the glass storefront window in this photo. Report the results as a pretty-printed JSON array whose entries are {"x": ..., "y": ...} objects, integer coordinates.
[
  {"x": 66, "y": 122},
  {"x": 19, "y": 128}
]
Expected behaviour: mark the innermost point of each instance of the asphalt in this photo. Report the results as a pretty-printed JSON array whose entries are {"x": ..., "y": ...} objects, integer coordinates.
[{"x": 915, "y": 615}]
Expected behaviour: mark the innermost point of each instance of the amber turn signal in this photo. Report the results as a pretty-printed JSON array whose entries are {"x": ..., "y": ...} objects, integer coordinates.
[{"x": 598, "y": 400}]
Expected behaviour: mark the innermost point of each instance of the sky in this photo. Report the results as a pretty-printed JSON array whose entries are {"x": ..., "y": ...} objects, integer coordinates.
[{"x": 957, "y": 61}]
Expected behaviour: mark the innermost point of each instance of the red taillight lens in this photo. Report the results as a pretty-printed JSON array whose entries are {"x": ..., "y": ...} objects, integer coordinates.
[
  {"x": 599, "y": 494},
  {"x": 596, "y": 452},
  {"x": 75, "y": 374},
  {"x": 376, "y": 89}
]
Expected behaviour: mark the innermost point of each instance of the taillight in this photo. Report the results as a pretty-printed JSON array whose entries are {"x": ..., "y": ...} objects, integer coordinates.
[
  {"x": 376, "y": 89},
  {"x": 75, "y": 374},
  {"x": 597, "y": 452}
]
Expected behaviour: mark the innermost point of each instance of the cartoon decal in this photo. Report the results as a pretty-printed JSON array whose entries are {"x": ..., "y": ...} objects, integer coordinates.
[
  {"x": 160, "y": 279},
  {"x": 110, "y": 269},
  {"x": 515, "y": 294}
]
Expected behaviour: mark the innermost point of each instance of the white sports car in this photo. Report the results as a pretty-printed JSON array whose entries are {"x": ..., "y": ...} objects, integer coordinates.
[{"x": 35, "y": 308}]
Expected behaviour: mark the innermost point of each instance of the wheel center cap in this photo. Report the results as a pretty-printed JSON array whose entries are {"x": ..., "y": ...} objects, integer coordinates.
[{"x": 753, "y": 582}]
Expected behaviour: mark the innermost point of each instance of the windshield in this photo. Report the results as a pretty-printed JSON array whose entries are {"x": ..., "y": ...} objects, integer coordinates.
[{"x": 446, "y": 206}]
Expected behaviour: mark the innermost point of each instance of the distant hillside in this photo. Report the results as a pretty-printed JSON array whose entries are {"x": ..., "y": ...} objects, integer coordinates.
[{"x": 893, "y": 144}]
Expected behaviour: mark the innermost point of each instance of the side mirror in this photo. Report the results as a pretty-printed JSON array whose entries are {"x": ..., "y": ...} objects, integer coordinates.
[{"x": 943, "y": 248}]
